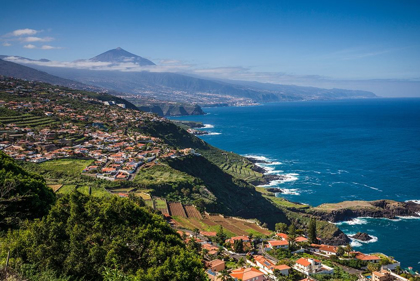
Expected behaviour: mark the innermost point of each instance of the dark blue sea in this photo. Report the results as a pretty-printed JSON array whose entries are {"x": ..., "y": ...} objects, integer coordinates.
[{"x": 330, "y": 151}]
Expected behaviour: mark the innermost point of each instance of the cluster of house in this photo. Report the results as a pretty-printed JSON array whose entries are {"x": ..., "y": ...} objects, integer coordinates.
[
  {"x": 117, "y": 153},
  {"x": 263, "y": 267}
]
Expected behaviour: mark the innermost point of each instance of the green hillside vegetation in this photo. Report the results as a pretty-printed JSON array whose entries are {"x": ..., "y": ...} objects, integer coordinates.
[
  {"x": 87, "y": 238},
  {"x": 235, "y": 197},
  {"x": 163, "y": 180},
  {"x": 230, "y": 162},
  {"x": 23, "y": 195}
]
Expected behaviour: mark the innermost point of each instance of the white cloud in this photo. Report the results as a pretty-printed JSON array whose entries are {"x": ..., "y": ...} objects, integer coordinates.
[
  {"x": 29, "y": 46},
  {"x": 24, "y": 32},
  {"x": 6, "y": 44},
  {"x": 36, "y": 39},
  {"x": 48, "y": 47}
]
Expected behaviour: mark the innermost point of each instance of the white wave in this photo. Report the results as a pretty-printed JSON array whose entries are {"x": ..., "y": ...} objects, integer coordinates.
[
  {"x": 355, "y": 221},
  {"x": 290, "y": 177},
  {"x": 257, "y": 157},
  {"x": 207, "y": 126},
  {"x": 409, "y": 217},
  {"x": 355, "y": 243},
  {"x": 290, "y": 191},
  {"x": 274, "y": 163},
  {"x": 368, "y": 186},
  {"x": 358, "y": 243},
  {"x": 414, "y": 201},
  {"x": 212, "y": 134}
]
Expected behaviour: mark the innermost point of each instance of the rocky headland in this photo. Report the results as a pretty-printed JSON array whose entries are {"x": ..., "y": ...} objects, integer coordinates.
[{"x": 349, "y": 210}]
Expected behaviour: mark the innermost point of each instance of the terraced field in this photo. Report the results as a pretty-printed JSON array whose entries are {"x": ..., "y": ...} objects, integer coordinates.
[
  {"x": 192, "y": 212},
  {"x": 161, "y": 205},
  {"x": 232, "y": 226},
  {"x": 27, "y": 120},
  {"x": 176, "y": 209},
  {"x": 242, "y": 171}
]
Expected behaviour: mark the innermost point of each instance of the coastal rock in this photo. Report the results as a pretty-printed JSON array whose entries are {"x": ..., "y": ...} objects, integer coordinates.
[
  {"x": 349, "y": 210},
  {"x": 337, "y": 239},
  {"x": 362, "y": 236},
  {"x": 274, "y": 190},
  {"x": 255, "y": 160}
]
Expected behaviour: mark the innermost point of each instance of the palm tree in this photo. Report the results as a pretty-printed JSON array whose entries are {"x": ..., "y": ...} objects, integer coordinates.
[
  {"x": 348, "y": 249},
  {"x": 224, "y": 275}
]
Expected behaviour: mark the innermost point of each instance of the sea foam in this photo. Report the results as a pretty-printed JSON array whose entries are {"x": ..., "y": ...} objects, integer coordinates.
[
  {"x": 355, "y": 221},
  {"x": 359, "y": 243},
  {"x": 257, "y": 157}
]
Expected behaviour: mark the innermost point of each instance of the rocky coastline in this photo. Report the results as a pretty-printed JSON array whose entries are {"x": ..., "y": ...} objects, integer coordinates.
[
  {"x": 389, "y": 209},
  {"x": 347, "y": 210}
]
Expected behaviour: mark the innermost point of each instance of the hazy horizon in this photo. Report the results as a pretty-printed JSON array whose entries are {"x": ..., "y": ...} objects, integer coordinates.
[{"x": 327, "y": 44}]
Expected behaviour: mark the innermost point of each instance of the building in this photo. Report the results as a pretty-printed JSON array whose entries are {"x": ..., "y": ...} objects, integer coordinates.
[
  {"x": 268, "y": 266},
  {"x": 216, "y": 265},
  {"x": 247, "y": 274},
  {"x": 276, "y": 244},
  {"x": 367, "y": 258},
  {"x": 312, "y": 266}
]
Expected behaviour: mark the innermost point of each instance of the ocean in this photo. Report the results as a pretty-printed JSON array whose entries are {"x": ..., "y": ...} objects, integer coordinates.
[{"x": 331, "y": 151}]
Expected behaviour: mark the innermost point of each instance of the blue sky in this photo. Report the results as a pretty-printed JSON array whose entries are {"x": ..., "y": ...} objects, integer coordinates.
[{"x": 372, "y": 45}]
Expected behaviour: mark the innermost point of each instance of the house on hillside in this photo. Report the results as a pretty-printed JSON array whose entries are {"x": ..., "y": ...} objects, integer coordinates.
[
  {"x": 324, "y": 249},
  {"x": 367, "y": 258},
  {"x": 268, "y": 267},
  {"x": 277, "y": 244},
  {"x": 247, "y": 274},
  {"x": 312, "y": 266}
]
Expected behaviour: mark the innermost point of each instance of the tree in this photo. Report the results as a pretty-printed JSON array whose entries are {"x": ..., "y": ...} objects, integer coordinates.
[
  {"x": 238, "y": 246},
  {"x": 292, "y": 235},
  {"x": 348, "y": 249},
  {"x": 281, "y": 227},
  {"x": 312, "y": 231},
  {"x": 196, "y": 231},
  {"x": 340, "y": 251},
  {"x": 224, "y": 275},
  {"x": 221, "y": 236},
  {"x": 372, "y": 267},
  {"x": 83, "y": 234},
  {"x": 23, "y": 195}
]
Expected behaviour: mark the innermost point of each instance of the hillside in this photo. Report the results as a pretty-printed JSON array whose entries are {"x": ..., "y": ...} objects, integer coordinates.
[
  {"x": 86, "y": 145},
  {"x": 159, "y": 107},
  {"x": 11, "y": 69}
]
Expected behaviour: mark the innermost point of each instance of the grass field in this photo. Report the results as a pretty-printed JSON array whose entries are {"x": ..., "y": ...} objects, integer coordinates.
[
  {"x": 67, "y": 188},
  {"x": 96, "y": 191},
  {"x": 72, "y": 167},
  {"x": 162, "y": 175},
  {"x": 281, "y": 202}
]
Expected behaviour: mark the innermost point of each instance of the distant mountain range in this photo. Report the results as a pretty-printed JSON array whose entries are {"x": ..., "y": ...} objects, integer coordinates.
[{"x": 182, "y": 88}]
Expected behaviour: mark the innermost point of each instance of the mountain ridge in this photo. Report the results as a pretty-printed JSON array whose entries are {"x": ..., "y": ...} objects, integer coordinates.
[{"x": 186, "y": 88}]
